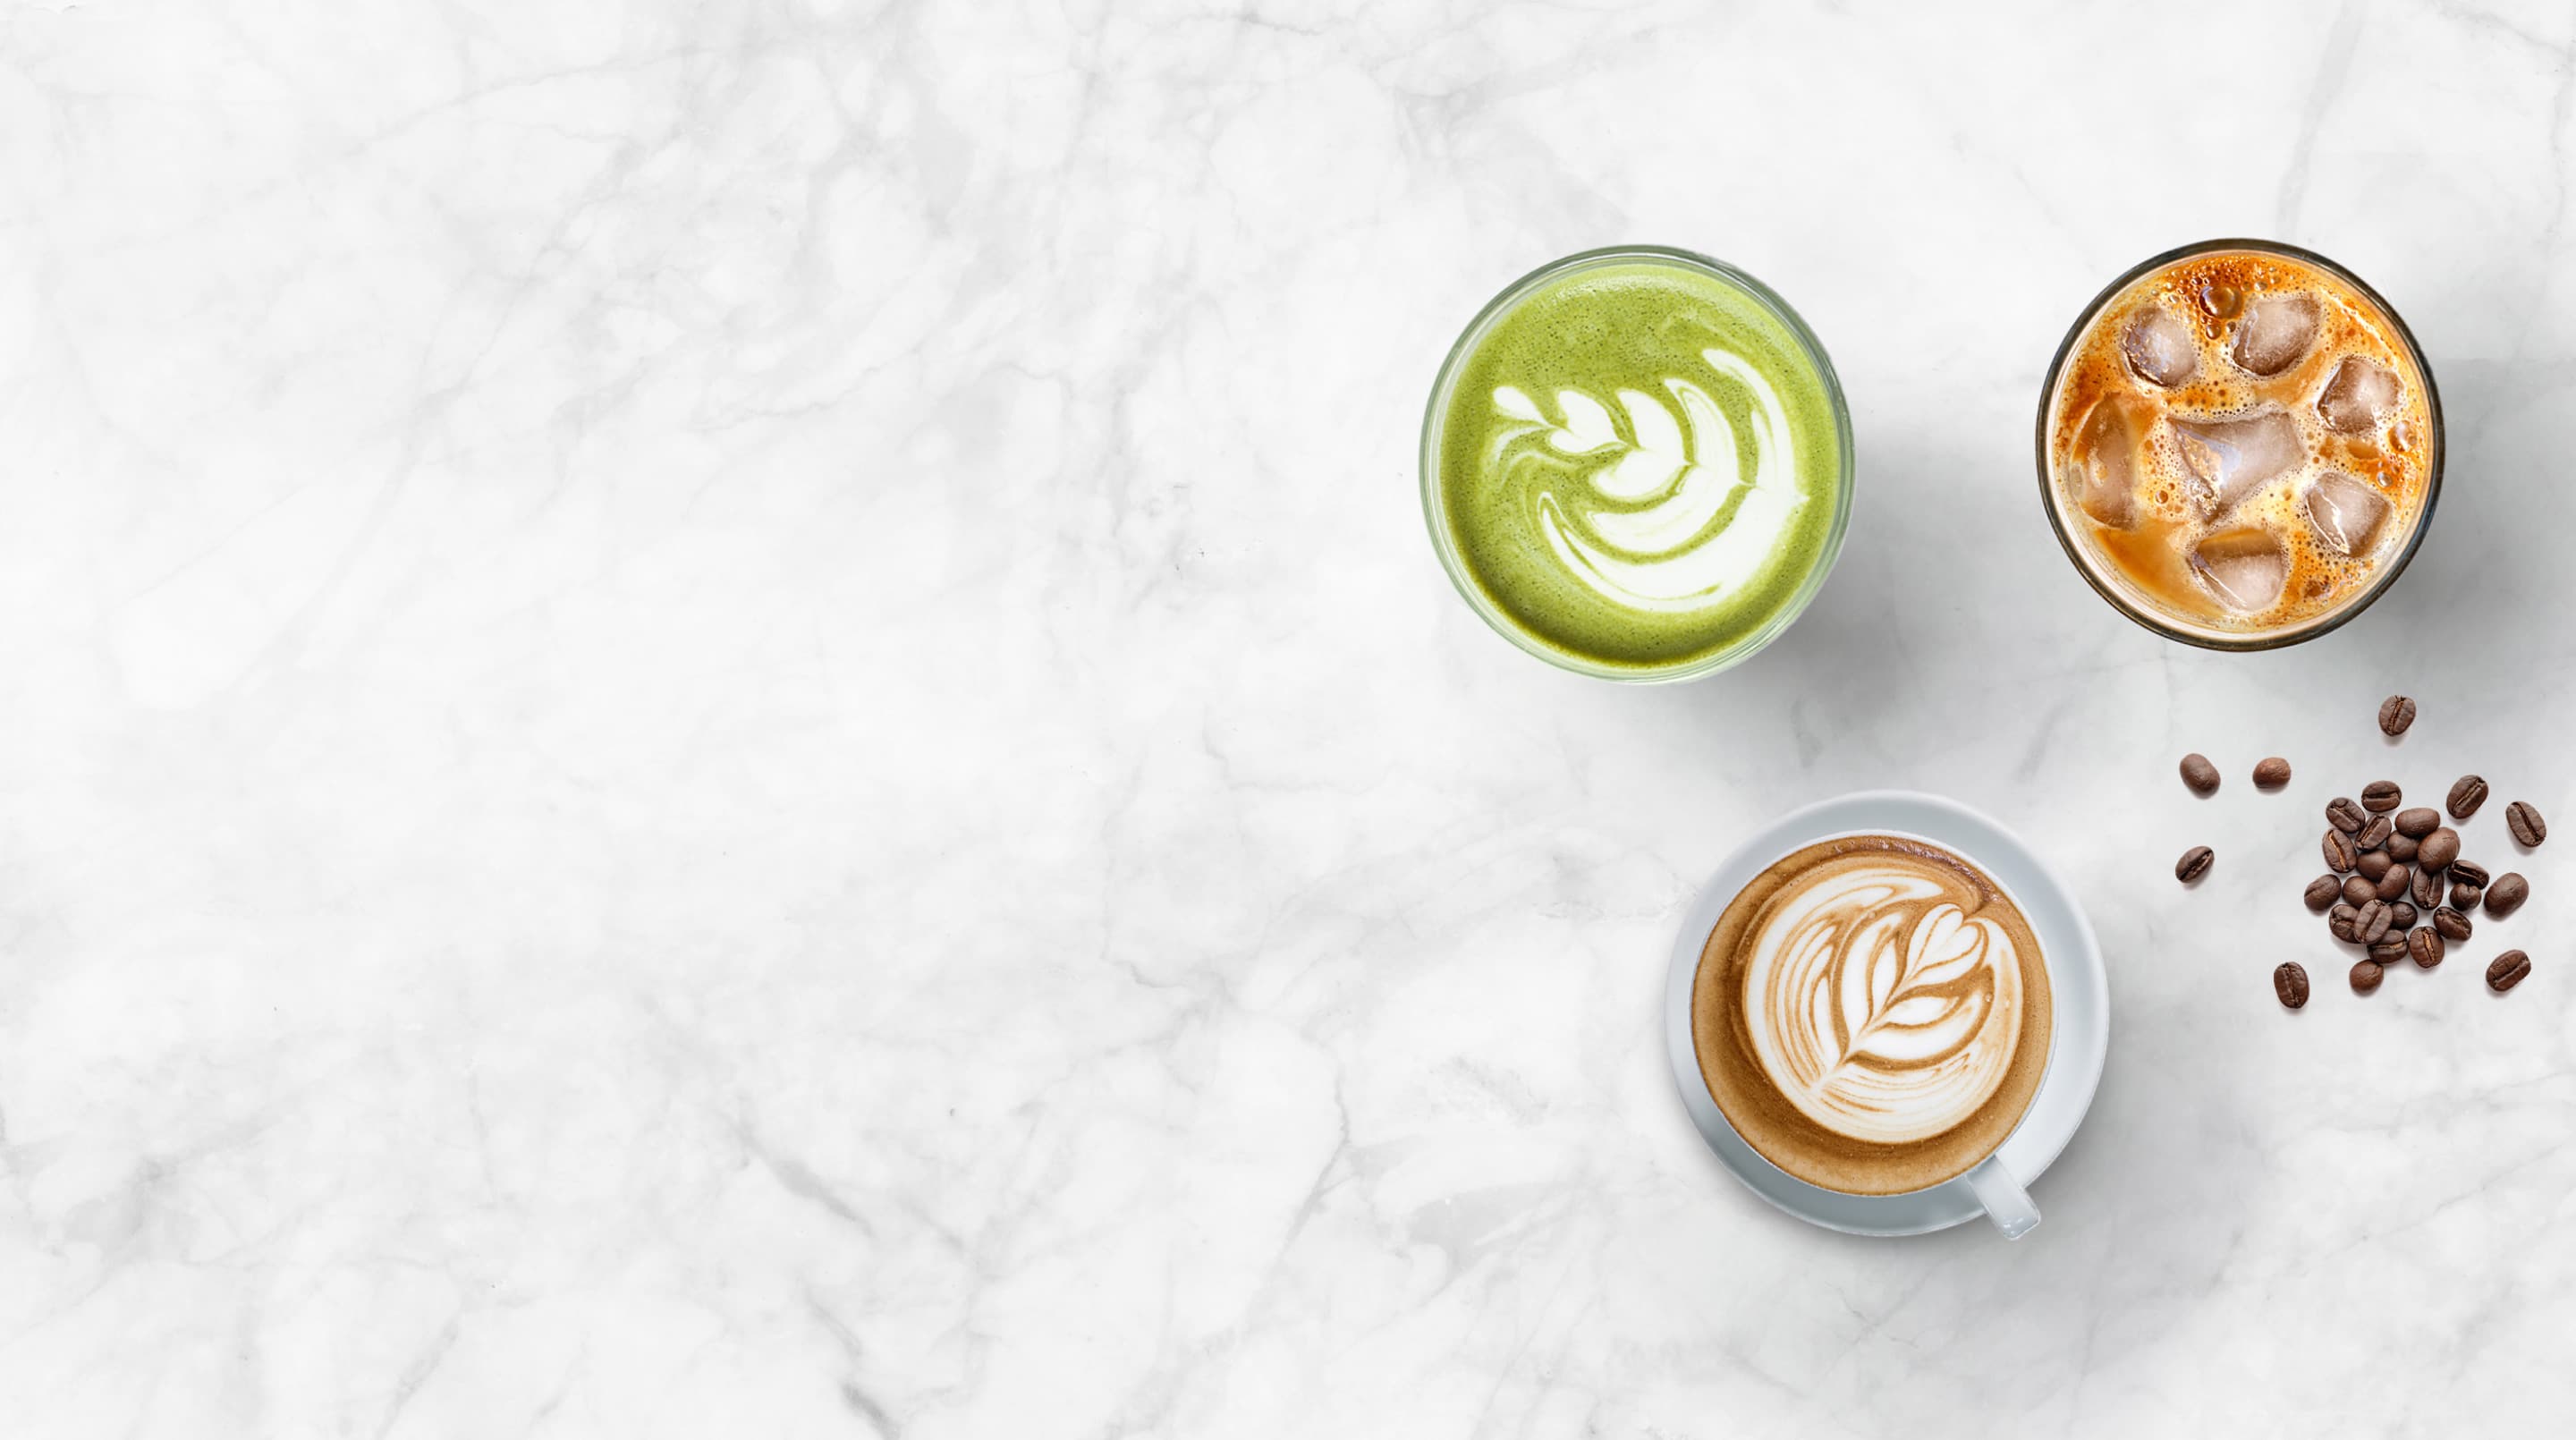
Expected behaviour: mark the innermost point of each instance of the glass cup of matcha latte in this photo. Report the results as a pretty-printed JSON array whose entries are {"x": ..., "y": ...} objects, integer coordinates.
[{"x": 1637, "y": 464}]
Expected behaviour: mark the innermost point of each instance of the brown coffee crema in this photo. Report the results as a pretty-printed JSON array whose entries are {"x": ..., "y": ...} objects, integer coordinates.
[
  {"x": 2240, "y": 442},
  {"x": 1872, "y": 1014}
]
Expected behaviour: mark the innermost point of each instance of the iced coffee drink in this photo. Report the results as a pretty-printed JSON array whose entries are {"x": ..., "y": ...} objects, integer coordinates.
[{"x": 2240, "y": 444}]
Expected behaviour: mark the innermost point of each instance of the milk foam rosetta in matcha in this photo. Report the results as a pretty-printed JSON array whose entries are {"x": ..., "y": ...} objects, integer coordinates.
[{"x": 1639, "y": 463}]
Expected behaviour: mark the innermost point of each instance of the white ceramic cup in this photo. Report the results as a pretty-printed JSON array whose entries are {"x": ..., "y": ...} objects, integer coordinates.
[{"x": 1996, "y": 1186}]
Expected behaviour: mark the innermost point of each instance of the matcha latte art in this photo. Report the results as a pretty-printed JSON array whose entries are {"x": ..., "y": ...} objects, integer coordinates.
[{"x": 1637, "y": 464}]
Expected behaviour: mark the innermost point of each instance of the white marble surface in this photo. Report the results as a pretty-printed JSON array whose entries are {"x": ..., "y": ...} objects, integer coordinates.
[{"x": 731, "y": 720}]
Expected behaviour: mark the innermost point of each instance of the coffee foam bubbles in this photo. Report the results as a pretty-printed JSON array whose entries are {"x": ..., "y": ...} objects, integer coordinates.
[{"x": 1879, "y": 1001}]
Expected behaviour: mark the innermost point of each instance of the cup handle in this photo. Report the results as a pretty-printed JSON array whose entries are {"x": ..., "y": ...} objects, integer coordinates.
[{"x": 2007, "y": 1204}]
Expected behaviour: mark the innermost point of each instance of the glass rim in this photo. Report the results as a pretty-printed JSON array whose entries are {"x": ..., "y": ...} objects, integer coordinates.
[
  {"x": 2159, "y": 624},
  {"x": 1445, "y": 546}
]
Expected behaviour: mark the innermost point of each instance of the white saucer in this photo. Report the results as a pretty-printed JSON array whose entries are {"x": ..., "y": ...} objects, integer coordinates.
[{"x": 2079, "y": 1039}]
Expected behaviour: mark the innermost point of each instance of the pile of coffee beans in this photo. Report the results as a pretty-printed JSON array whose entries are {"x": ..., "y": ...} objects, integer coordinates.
[{"x": 2396, "y": 886}]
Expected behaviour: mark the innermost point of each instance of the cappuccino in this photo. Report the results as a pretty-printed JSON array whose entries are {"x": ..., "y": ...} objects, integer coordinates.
[
  {"x": 2240, "y": 444},
  {"x": 1872, "y": 1014}
]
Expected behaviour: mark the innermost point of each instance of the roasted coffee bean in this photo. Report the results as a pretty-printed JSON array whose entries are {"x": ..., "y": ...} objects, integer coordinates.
[
  {"x": 2271, "y": 773},
  {"x": 2346, "y": 816},
  {"x": 2341, "y": 853},
  {"x": 2506, "y": 895},
  {"x": 2465, "y": 896},
  {"x": 2426, "y": 887},
  {"x": 2401, "y": 846},
  {"x": 2425, "y": 947},
  {"x": 2439, "y": 849},
  {"x": 2454, "y": 926},
  {"x": 2381, "y": 795},
  {"x": 2193, "y": 864},
  {"x": 2376, "y": 833},
  {"x": 2393, "y": 885},
  {"x": 2372, "y": 920},
  {"x": 2374, "y": 865},
  {"x": 2365, "y": 976},
  {"x": 2359, "y": 889},
  {"x": 2506, "y": 970},
  {"x": 2345, "y": 922},
  {"x": 2199, "y": 774},
  {"x": 2473, "y": 874},
  {"x": 2290, "y": 982},
  {"x": 2390, "y": 948},
  {"x": 2419, "y": 822},
  {"x": 2467, "y": 794},
  {"x": 2401, "y": 915},
  {"x": 2525, "y": 823},
  {"x": 2324, "y": 891},
  {"x": 2395, "y": 714}
]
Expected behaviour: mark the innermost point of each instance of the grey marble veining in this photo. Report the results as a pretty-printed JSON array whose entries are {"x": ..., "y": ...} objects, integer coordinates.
[{"x": 732, "y": 720}]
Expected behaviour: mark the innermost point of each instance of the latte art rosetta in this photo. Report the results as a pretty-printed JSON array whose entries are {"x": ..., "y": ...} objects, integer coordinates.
[
  {"x": 1879, "y": 1003},
  {"x": 1650, "y": 502}
]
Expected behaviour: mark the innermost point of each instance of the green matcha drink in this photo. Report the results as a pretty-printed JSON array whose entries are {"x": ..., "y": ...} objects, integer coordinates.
[{"x": 1637, "y": 464}]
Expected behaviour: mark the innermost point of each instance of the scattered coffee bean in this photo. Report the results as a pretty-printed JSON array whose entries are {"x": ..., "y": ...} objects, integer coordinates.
[
  {"x": 2506, "y": 970},
  {"x": 2453, "y": 925},
  {"x": 2473, "y": 874},
  {"x": 2465, "y": 896},
  {"x": 2419, "y": 822},
  {"x": 2374, "y": 865},
  {"x": 2401, "y": 916},
  {"x": 2425, "y": 947},
  {"x": 2525, "y": 823},
  {"x": 2426, "y": 887},
  {"x": 2324, "y": 891},
  {"x": 2193, "y": 864},
  {"x": 2359, "y": 889},
  {"x": 2290, "y": 982},
  {"x": 2467, "y": 794},
  {"x": 2341, "y": 853},
  {"x": 2345, "y": 922},
  {"x": 2271, "y": 773},
  {"x": 2393, "y": 885},
  {"x": 2376, "y": 833},
  {"x": 2346, "y": 816},
  {"x": 2390, "y": 948},
  {"x": 2506, "y": 895},
  {"x": 2395, "y": 714},
  {"x": 2438, "y": 849},
  {"x": 2199, "y": 774},
  {"x": 2401, "y": 846},
  {"x": 2381, "y": 795},
  {"x": 2365, "y": 976},
  {"x": 2372, "y": 920}
]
